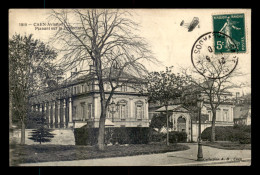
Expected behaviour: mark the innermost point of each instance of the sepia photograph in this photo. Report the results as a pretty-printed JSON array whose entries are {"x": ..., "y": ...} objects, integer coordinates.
[{"x": 129, "y": 87}]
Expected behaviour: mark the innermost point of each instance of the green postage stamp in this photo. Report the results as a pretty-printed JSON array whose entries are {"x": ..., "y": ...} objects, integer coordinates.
[{"x": 232, "y": 25}]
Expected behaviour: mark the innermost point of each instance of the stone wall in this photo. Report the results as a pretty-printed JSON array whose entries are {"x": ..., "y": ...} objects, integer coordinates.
[{"x": 61, "y": 137}]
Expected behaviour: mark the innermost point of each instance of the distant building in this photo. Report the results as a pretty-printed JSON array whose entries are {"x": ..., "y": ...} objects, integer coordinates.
[
  {"x": 242, "y": 114},
  {"x": 242, "y": 109},
  {"x": 186, "y": 121}
]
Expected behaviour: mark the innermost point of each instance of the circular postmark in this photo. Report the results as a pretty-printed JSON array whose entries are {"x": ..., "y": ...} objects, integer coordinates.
[{"x": 209, "y": 60}]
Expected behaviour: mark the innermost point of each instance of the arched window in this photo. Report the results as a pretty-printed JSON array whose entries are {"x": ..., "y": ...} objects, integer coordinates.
[{"x": 181, "y": 124}]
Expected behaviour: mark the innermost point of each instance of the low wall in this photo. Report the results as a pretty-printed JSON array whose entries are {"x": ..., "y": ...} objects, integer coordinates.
[{"x": 61, "y": 137}]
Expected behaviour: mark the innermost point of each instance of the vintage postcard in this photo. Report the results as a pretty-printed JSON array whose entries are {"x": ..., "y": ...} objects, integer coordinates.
[{"x": 129, "y": 87}]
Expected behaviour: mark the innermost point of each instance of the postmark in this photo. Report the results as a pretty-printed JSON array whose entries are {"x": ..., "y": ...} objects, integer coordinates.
[
  {"x": 210, "y": 64},
  {"x": 232, "y": 25}
]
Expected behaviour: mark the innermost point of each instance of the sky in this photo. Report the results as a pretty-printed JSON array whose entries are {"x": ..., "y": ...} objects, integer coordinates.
[{"x": 170, "y": 42}]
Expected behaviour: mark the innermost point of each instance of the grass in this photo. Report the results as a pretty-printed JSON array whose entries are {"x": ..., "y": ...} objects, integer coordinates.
[
  {"x": 47, "y": 153},
  {"x": 228, "y": 145}
]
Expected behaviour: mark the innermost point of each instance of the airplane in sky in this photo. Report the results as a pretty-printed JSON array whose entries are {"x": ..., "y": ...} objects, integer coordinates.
[{"x": 194, "y": 23}]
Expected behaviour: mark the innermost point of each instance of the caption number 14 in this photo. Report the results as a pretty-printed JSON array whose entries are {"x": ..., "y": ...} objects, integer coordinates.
[{"x": 219, "y": 44}]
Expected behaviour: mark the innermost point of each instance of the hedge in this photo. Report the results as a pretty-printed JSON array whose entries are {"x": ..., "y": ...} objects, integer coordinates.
[
  {"x": 86, "y": 136},
  {"x": 241, "y": 134},
  {"x": 176, "y": 136},
  {"x": 156, "y": 136},
  {"x": 123, "y": 135}
]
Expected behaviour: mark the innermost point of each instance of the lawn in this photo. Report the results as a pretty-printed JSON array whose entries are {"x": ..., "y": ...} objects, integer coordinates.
[
  {"x": 47, "y": 153},
  {"x": 228, "y": 145}
]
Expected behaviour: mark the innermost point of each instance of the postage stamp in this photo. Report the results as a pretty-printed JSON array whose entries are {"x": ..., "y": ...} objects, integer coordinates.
[{"x": 232, "y": 25}]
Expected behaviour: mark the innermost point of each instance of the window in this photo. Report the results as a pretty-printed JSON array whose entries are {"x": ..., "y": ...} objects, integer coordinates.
[
  {"x": 218, "y": 115},
  {"x": 75, "y": 90},
  {"x": 122, "y": 109},
  {"x": 82, "y": 88},
  {"x": 89, "y": 110},
  {"x": 78, "y": 89},
  {"x": 83, "y": 111},
  {"x": 74, "y": 112},
  {"x": 87, "y": 87},
  {"x": 226, "y": 116},
  {"x": 139, "y": 110},
  {"x": 124, "y": 88},
  {"x": 108, "y": 113},
  {"x": 210, "y": 116}
]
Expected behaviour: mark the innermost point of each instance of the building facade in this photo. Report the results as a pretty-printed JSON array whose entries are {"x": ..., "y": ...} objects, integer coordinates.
[
  {"x": 76, "y": 103},
  {"x": 184, "y": 122}
]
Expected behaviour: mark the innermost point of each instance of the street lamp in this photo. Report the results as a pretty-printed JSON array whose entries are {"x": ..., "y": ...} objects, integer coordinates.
[
  {"x": 199, "y": 105},
  {"x": 113, "y": 108}
]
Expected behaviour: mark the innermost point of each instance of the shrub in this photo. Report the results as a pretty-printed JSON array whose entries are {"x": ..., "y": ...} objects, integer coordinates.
[
  {"x": 229, "y": 133},
  {"x": 245, "y": 128},
  {"x": 156, "y": 136},
  {"x": 176, "y": 136},
  {"x": 244, "y": 138}
]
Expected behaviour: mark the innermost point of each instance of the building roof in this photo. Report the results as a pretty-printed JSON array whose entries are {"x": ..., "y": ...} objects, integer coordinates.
[
  {"x": 173, "y": 108},
  {"x": 78, "y": 78}
]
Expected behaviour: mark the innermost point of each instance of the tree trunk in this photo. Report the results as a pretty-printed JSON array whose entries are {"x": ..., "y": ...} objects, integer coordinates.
[
  {"x": 167, "y": 139},
  {"x": 10, "y": 112},
  {"x": 213, "y": 134},
  {"x": 101, "y": 131},
  {"x": 22, "y": 133},
  {"x": 191, "y": 132}
]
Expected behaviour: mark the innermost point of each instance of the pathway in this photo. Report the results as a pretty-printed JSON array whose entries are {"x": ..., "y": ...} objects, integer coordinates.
[{"x": 178, "y": 158}]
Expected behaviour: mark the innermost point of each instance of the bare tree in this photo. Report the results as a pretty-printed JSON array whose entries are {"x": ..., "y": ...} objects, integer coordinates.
[
  {"x": 108, "y": 40},
  {"x": 213, "y": 85}
]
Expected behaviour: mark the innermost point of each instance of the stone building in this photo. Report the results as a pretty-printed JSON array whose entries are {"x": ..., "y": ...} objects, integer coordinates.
[
  {"x": 76, "y": 102},
  {"x": 242, "y": 114},
  {"x": 185, "y": 120}
]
